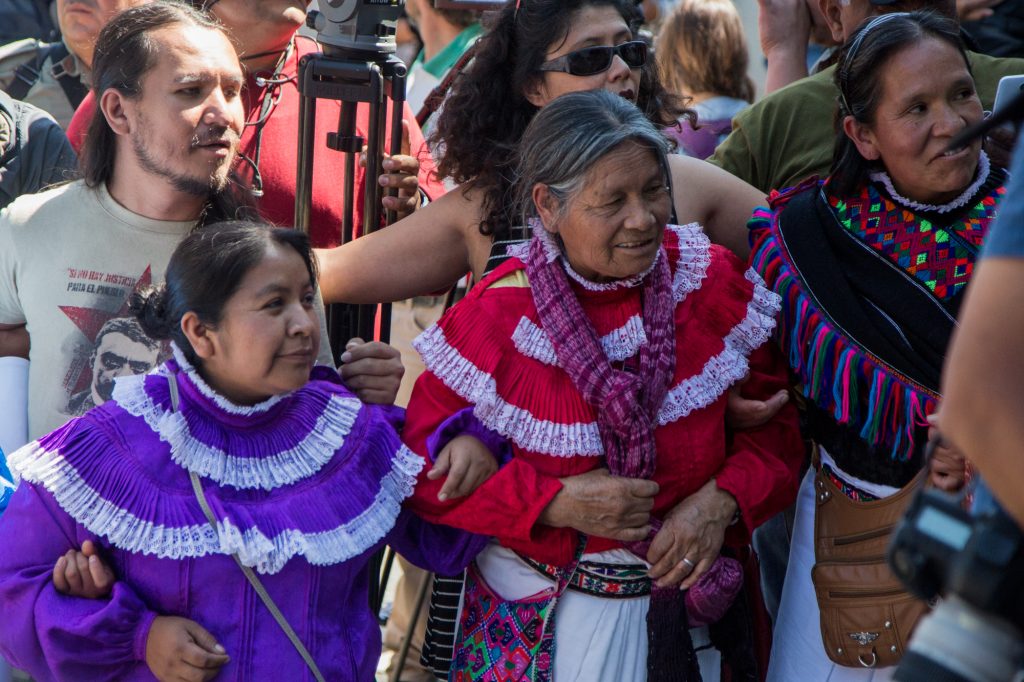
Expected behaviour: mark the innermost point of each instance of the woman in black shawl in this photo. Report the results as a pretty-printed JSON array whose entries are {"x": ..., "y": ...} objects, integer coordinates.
[{"x": 872, "y": 266}]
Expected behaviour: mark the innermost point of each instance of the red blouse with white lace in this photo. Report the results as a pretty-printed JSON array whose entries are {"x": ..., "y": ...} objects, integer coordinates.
[{"x": 491, "y": 353}]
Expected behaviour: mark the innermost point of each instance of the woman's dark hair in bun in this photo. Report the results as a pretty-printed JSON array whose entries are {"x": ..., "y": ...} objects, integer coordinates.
[
  {"x": 205, "y": 271},
  {"x": 149, "y": 306}
]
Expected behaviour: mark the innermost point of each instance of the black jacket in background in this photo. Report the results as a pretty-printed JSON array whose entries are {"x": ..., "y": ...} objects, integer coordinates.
[
  {"x": 1002, "y": 34},
  {"x": 34, "y": 152}
]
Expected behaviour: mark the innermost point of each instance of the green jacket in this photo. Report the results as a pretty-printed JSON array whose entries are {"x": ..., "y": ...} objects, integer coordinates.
[{"x": 789, "y": 135}]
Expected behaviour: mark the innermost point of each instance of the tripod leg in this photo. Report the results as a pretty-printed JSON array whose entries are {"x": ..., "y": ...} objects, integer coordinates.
[
  {"x": 397, "y": 110},
  {"x": 347, "y": 130},
  {"x": 403, "y": 651},
  {"x": 374, "y": 154},
  {"x": 304, "y": 172},
  {"x": 371, "y": 206}
]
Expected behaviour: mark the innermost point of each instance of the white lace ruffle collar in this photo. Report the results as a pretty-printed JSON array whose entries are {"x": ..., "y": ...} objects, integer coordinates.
[
  {"x": 984, "y": 167},
  {"x": 223, "y": 403}
]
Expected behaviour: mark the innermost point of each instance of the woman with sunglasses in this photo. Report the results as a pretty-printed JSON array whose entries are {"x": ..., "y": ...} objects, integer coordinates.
[{"x": 535, "y": 51}]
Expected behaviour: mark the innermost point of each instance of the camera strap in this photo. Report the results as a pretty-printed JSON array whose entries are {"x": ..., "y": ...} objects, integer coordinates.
[{"x": 250, "y": 575}]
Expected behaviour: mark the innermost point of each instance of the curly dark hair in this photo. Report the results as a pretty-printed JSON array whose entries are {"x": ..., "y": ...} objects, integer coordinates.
[{"x": 486, "y": 112}]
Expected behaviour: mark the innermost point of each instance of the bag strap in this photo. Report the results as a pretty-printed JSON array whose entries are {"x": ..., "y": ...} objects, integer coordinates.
[
  {"x": 28, "y": 74},
  {"x": 261, "y": 591},
  {"x": 72, "y": 86}
]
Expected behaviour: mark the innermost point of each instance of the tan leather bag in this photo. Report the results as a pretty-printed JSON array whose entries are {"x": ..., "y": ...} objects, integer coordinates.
[{"x": 866, "y": 614}]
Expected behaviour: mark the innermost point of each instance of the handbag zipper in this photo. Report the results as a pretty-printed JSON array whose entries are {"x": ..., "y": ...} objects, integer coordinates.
[
  {"x": 853, "y": 594},
  {"x": 861, "y": 537}
]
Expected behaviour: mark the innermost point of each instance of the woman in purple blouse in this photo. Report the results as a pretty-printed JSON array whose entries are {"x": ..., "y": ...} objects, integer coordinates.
[{"x": 302, "y": 483}]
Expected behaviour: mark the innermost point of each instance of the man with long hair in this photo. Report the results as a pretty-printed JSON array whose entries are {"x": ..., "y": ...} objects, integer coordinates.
[
  {"x": 156, "y": 165},
  {"x": 264, "y": 35}
]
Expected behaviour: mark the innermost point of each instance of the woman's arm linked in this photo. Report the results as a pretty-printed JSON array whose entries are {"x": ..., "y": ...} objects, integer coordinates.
[
  {"x": 57, "y": 636},
  {"x": 426, "y": 252},
  {"x": 520, "y": 504},
  {"x": 758, "y": 479},
  {"x": 719, "y": 201}
]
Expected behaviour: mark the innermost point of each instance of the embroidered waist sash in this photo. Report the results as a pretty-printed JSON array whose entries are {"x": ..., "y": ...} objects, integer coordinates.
[{"x": 599, "y": 579}]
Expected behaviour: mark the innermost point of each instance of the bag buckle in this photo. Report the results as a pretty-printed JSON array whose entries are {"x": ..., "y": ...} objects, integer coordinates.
[{"x": 868, "y": 664}]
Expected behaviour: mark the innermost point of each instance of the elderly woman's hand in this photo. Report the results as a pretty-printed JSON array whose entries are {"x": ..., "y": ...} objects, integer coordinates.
[
  {"x": 373, "y": 371},
  {"x": 691, "y": 537},
  {"x": 599, "y": 504}
]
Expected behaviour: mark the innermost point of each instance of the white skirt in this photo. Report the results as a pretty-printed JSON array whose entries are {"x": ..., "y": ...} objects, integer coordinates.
[
  {"x": 596, "y": 639},
  {"x": 798, "y": 654}
]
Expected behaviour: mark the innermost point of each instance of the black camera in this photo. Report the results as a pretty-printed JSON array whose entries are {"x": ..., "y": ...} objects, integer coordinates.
[
  {"x": 975, "y": 563},
  {"x": 356, "y": 27}
]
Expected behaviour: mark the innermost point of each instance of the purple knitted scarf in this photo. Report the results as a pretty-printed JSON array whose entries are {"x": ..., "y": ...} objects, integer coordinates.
[{"x": 627, "y": 413}]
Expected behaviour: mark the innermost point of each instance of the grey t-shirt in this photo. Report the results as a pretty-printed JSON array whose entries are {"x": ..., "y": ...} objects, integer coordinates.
[{"x": 69, "y": 259}]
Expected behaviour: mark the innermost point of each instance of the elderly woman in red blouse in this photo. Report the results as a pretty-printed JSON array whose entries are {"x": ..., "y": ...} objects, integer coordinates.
[{"x": 599, "y": 359}]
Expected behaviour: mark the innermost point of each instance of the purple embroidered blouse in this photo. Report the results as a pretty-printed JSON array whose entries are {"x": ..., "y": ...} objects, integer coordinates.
[{"x": 305, "y": 487}]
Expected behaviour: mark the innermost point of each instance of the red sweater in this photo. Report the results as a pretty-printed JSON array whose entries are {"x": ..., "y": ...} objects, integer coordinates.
[
  {"x": 490, "y": 352},
  {"x": 279, "y": 153}
]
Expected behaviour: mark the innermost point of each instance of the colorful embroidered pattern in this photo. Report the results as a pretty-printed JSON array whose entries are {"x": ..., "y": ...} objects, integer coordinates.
[
  {"x": 610, "y": 581},
  {"x": 503, "y": 641},
  {"x": 854, "y": 493},
  {"x": 941, "y": 258},
  {"x": 836, "y": 374}
]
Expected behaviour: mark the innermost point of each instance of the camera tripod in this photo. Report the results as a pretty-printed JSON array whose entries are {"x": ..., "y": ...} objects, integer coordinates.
[{"x": 351, "y": 77}]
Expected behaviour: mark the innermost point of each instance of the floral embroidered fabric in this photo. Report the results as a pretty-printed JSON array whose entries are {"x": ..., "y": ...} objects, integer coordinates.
[{"x": 611, "y": 581}]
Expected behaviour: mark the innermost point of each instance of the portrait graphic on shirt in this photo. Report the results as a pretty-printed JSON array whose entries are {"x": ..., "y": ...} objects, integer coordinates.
[
  {"x": 111, "y": 345},
  {"x": 121, "y": 348}
]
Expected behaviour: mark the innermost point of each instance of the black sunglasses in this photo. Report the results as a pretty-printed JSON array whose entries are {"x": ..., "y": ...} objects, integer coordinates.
[{"x": 591, "y": 60}]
